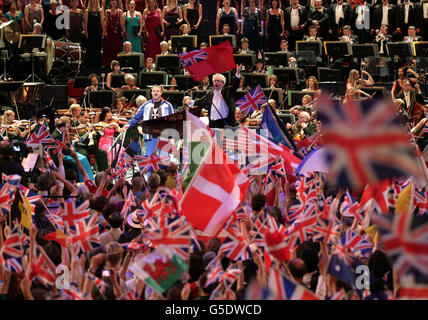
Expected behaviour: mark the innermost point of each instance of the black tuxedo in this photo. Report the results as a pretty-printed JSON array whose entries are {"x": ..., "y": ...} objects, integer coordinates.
[
  {"x": 347, "y": 14},
  {"x": 392, "y": 17},
  {"x": 321, "y": 17},
  {"x": 295, "y": 34},
  {"x": 419, "y": 98},
  {"x": 227, "y": 94},
  {"x": 413, "y": 16}
]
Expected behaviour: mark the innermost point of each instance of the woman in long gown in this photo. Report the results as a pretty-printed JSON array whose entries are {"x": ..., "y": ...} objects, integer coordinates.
[
  {"x": 77, "y": 25},
  {"x": 132, "y": 27},
  {"x": 113, "y": 35},
  {"x": 192, "y": 14},
  {"x": 154, "y": 29},
  {"x": 94, "y": 16},
  {"x": 252, "y": 26},
  {"x": 172, "y": 18},
  {"x": 227, "y": 15},
  {"x": 274, "y": 26},
  {"x": 109, "y": 129},
  {"x": 33, "y": 13}
]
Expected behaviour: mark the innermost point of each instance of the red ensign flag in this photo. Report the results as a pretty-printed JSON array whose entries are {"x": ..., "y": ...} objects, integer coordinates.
[{"x": 205, "y": 62}]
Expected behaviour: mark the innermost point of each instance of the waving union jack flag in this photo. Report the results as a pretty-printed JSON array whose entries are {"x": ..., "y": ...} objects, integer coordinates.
[
  {"x": 251, "y": 101},
  {"x": 127, "y": 206},
  {"x": 350, "y": 207},
  {"x": 421, "y": 200},
  {"x": 236, "y": 247},
  {"x": 58, "y": 144},
  {"x": 192, "y": 57},
  {"x": 41, "y": 136},
  {"x": 42, "y": 267},
  {"x": 5, "y": 201},
  {"x": 326, "y": 230},
  {"x": 84, "y": 236},
  {"x": 356, "y": 243},
  {"x": 176, "y": 234},
  {"x": 146, "y": 163},
  {"x": 72, "y": 214},
  {"x": 12, "y": 250},
  {"x": 365, "y": 143},
  {"x": 404, "y": 237}
]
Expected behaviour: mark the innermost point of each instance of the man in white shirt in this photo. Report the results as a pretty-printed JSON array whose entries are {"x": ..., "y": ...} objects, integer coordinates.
[
  {"x": 295, "y": 17},
  {"x": 408, "y": 96},
  {"x": 386, "y": 14},
  {"x": 219, "y": 102},
  {"x": 339, "y": 13},
  {"x": 408, "y": 15}
]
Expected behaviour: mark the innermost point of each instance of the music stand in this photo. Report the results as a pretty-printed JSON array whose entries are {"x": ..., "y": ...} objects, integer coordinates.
[
  {"x": 295, "y": 97},
  {"x": 247, "y": 60},
  {"x": 305, "y": 58},
  {"x": 174, "y": 97},
  {"x": 326, "y": 74},
  {"x": 338, "y": 49},
  {"x": 314, "y": 46},
  {"x": 131, "y": 95},
  {"x": 254, "y": 79},
  {"x": 330, "y": 75},
  {"x": 378, "y": 93},
  {"x": 421, "y": 48},
  {"x": 275, "y": 94},
  {"x": 277, "y": 59},
  {"x": 180, "y": 42},
  {"x": 185, "y": 82},
  {"x": 400, "y": 49},
  {"x": 215, "y": 40},
  {"x": 117, "y": 80},
  {"x": 286, "y": 75},
  {"x": 362, "y": 51},
  {"x": 169, "y": 62},
  {"x": 151, "y": 78},
  {"x": 31, "y": 43},
  {"x": 101, "y": 98},
  {"x": 81, "y": 82},
  {"x": 135, "y": 61}
]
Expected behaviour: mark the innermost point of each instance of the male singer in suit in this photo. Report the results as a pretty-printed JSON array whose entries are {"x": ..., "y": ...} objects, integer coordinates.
[
  {"x": 295, "y": 17},
  {"x": 339, "y": 14},
  {"x": 154, "y": 108},
  {"x": 219, "y": 102},
  {"x": 408, "y": 95},
  {"x": 387, "y": 14},
  {"x": 409, "y": 14}
]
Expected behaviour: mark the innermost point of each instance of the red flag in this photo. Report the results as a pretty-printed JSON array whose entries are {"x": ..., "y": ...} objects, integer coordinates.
[
  {"x": 214, "y": 59},
  {"x": 216, "y": 190}
]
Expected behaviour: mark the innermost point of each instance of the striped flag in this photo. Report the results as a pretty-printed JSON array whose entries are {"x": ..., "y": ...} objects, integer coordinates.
[{"x": 251, "y": 101}]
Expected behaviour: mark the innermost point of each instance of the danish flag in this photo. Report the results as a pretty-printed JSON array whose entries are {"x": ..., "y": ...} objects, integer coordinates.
[{"x": 216, "y": 189}]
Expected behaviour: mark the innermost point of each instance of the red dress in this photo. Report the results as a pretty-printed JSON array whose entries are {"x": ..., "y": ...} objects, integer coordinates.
[
  {"x": 153, "y": 42},
  {"x": 113, "y": 42}
]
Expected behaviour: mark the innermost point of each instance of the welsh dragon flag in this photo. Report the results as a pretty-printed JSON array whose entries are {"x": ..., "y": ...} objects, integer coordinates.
[{"x": 159, "y": 269}]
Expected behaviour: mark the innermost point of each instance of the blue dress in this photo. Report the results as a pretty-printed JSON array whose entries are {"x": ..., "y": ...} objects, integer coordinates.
[{"x": 130, "y": 24}]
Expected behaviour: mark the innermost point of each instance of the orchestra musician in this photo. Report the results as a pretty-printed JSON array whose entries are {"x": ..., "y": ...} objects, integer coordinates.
[
  {"x": 86, "y": 144},
  {"x": 115, "y": 67},
  {"x": 382, "y": 38},
  {"x": 93, "y": 83},
  {"x": 355, "y": 82},
  {"x": 411, "y": 35},
  {"x": 410, "y": 95},
  {"x": 109, "y": 128},
  {"x": 130, "y": 84},
  {"x": 75, "y": 110},
  {"x": 348, "y": 36},
  {"x": 10, "y": 128},
  {"x": 313, "y": 36}
]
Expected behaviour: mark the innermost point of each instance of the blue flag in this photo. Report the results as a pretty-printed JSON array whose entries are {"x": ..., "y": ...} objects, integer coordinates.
[
  {"x": 340, "y": 270},
  {"x": 277, "y": 131}
]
